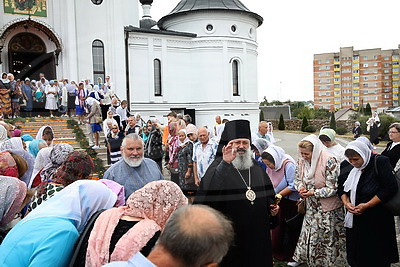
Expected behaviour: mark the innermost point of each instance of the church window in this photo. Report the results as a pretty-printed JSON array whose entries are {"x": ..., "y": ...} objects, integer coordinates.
[
  {"x": 97, "y": 2},
  {"x": 235, "y": 77},
  {"x": 209, "y": 27},
  {"x": 233, "y": 28},
  {"x": 157, "y": 78},
  {"x": 98, "y": 59}
]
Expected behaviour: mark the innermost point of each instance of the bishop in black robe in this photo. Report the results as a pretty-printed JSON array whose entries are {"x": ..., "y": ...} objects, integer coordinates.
[{"x": 223, "y": 188}]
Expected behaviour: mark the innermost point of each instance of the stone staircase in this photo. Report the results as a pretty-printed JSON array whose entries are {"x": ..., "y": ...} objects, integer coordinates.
[{"x": 62, "y": 134}]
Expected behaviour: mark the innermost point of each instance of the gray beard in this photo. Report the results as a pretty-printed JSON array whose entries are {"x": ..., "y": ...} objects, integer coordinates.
[
  {"x": 244, "y": 161},
  {"x": 132, "y": 162}
]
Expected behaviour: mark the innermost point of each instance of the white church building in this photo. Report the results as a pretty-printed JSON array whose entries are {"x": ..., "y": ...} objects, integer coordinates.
[{"x": 200, "y": 59}]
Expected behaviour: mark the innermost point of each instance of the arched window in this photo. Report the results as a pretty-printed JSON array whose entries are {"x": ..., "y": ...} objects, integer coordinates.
[
  {"x": 157, "y": 78},
  {"x": 235, "y": 77},
  {"x": 98, "y": 60}
]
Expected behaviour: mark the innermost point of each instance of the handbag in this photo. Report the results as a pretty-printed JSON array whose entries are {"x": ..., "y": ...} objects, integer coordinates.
[
  {"x": 23, "y": 104},
  {"x": 301, "y": 206},
  {"x": 174, "y": 170},
  {"x": 190, "y": 180},
  {"x": 393, "y": 205},
  {"x": 98, "y": 119}
]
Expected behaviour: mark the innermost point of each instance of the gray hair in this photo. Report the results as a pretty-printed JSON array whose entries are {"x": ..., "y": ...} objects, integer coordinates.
[
  {"x": 197, "y": 235},
  {"x": 395, "y": 125},
  {"x": 132, "y": 136}
]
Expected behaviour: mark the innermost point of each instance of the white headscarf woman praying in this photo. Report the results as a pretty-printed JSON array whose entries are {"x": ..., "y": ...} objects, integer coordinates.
[{"x": 354, "y": 176}]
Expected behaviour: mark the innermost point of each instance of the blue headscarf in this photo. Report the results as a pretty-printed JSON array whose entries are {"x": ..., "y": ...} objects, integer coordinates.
[
  {"x": 27, "y": 137},
  {"x": 34, "y": 146},
  {"x": 76, "y": 202}
]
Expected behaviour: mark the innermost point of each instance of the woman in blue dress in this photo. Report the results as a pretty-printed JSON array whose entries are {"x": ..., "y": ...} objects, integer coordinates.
[
  {"x": 46, "y": 237},
  {"x": 28, "y": 96}
]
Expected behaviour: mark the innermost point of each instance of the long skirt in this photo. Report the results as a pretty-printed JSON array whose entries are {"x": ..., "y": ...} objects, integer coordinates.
[
  {"x": 5, "y": 102},
  {"x": 285, "y": 235},
  {"x": 322, "y": 240}
]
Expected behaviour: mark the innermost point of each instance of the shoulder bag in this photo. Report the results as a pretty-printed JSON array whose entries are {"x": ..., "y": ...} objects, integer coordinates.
[{"x": 393, "y": 205}]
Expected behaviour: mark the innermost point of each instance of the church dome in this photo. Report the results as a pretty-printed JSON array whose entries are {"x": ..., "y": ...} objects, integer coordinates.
[{"x": 185, "y": 7}]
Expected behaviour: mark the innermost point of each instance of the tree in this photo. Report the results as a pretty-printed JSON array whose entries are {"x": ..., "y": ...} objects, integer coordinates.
[
  {"x": 332, "y": 123},
  {"x": 281, "y": 125},
  {"x": 261, "y": 115},
  {"x": 304, "y": 124},
  {"x": 368, "y": 111}
]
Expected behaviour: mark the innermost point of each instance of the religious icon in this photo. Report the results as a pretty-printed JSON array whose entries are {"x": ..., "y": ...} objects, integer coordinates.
[{"x": 36, "y": 8}]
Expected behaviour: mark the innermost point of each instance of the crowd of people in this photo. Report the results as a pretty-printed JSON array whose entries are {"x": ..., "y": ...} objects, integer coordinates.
[{"x": 234, "y": 198}]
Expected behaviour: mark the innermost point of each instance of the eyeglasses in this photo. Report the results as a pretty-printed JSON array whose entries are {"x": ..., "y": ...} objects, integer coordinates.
[{"x": 114, "y": 128}]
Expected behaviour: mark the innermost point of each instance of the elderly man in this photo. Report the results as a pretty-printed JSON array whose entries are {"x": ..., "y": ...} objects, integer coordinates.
[
  {"x": 207, "y": 235},
  {"x": 238, "y": 187},
  {"x": 262, "y": 132},
  {"x": 203, "y": 154},
  {"x": 134, "y": 171},
  {"x": 132, "y": 127}
]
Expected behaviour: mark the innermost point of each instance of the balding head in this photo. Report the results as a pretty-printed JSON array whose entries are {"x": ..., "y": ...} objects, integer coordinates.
[
  {"x": 262, "y": 128},
  {"x": 218, "y": 119},
  {"x": 203, "y": 135},
  {"x": 197, "y": 235}
]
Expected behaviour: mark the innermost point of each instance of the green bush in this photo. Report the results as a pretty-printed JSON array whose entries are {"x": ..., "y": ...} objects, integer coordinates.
[
  {"x": 281, "y": 125},
  {"x": 367, "y": 110},
  {"x": 386, "y": 120},
  {"x": 309, "y": 129},
  {"x": 341, "y": 130},
  {"x": 304, "y": 124},
  {"x": 261, "y": 115},
  {"x": 332, "y": 123}
]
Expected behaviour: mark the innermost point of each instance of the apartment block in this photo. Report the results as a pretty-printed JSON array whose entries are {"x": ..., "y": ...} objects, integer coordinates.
[{"x": 351, "y": 78}]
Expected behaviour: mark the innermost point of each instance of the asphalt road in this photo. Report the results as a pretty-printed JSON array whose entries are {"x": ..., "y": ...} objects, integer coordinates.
[{"x": 289, "y": 141}]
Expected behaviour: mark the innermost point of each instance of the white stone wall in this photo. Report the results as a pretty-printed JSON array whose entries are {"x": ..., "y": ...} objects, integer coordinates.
[{"x": 197, "y": 72}]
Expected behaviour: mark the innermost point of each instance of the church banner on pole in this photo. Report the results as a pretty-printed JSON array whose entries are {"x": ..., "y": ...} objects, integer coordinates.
[{"x": 36, "y": 8}]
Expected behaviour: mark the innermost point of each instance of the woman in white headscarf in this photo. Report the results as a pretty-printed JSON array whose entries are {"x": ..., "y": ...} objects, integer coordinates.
[
  {"x": 42, "y": 159},
  {"x": 373, "y": 124},
  {"x": 48, "y": 234},
  {"x": 370, "y": 227},
  {"x": 46, "y": 133},
  {"x": 327, "y": 137},
  {"x": 322, "y": 237},
  {"x": 281, "y": 171},
  {"x": 94, "y": 118}
]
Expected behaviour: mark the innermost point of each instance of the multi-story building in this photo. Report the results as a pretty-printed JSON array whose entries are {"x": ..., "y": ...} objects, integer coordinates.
[{"x": 352, "y": 78}]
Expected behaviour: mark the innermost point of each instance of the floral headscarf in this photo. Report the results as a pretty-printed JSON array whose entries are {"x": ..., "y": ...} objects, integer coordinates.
[
  {"x": 8, "y": 166},
  {"x": 173, "y": 128},
  {"x": 154, "y": 203},
  {"x": 12, "y": 194},
  {"x": 78, "y": 166},
  {"x": 3, "y": 133},
  {"x": 13, "y": 143},
  {"x": 58, "y": 156}
]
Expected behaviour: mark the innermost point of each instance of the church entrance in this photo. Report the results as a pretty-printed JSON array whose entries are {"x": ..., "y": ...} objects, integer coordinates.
[{"x": 28, "y": 57}]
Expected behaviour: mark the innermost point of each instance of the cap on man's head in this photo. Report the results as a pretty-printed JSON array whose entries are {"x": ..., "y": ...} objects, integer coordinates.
[
  {"x": 51, "y": 82},
  {"x": 27, "y": 79}
]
